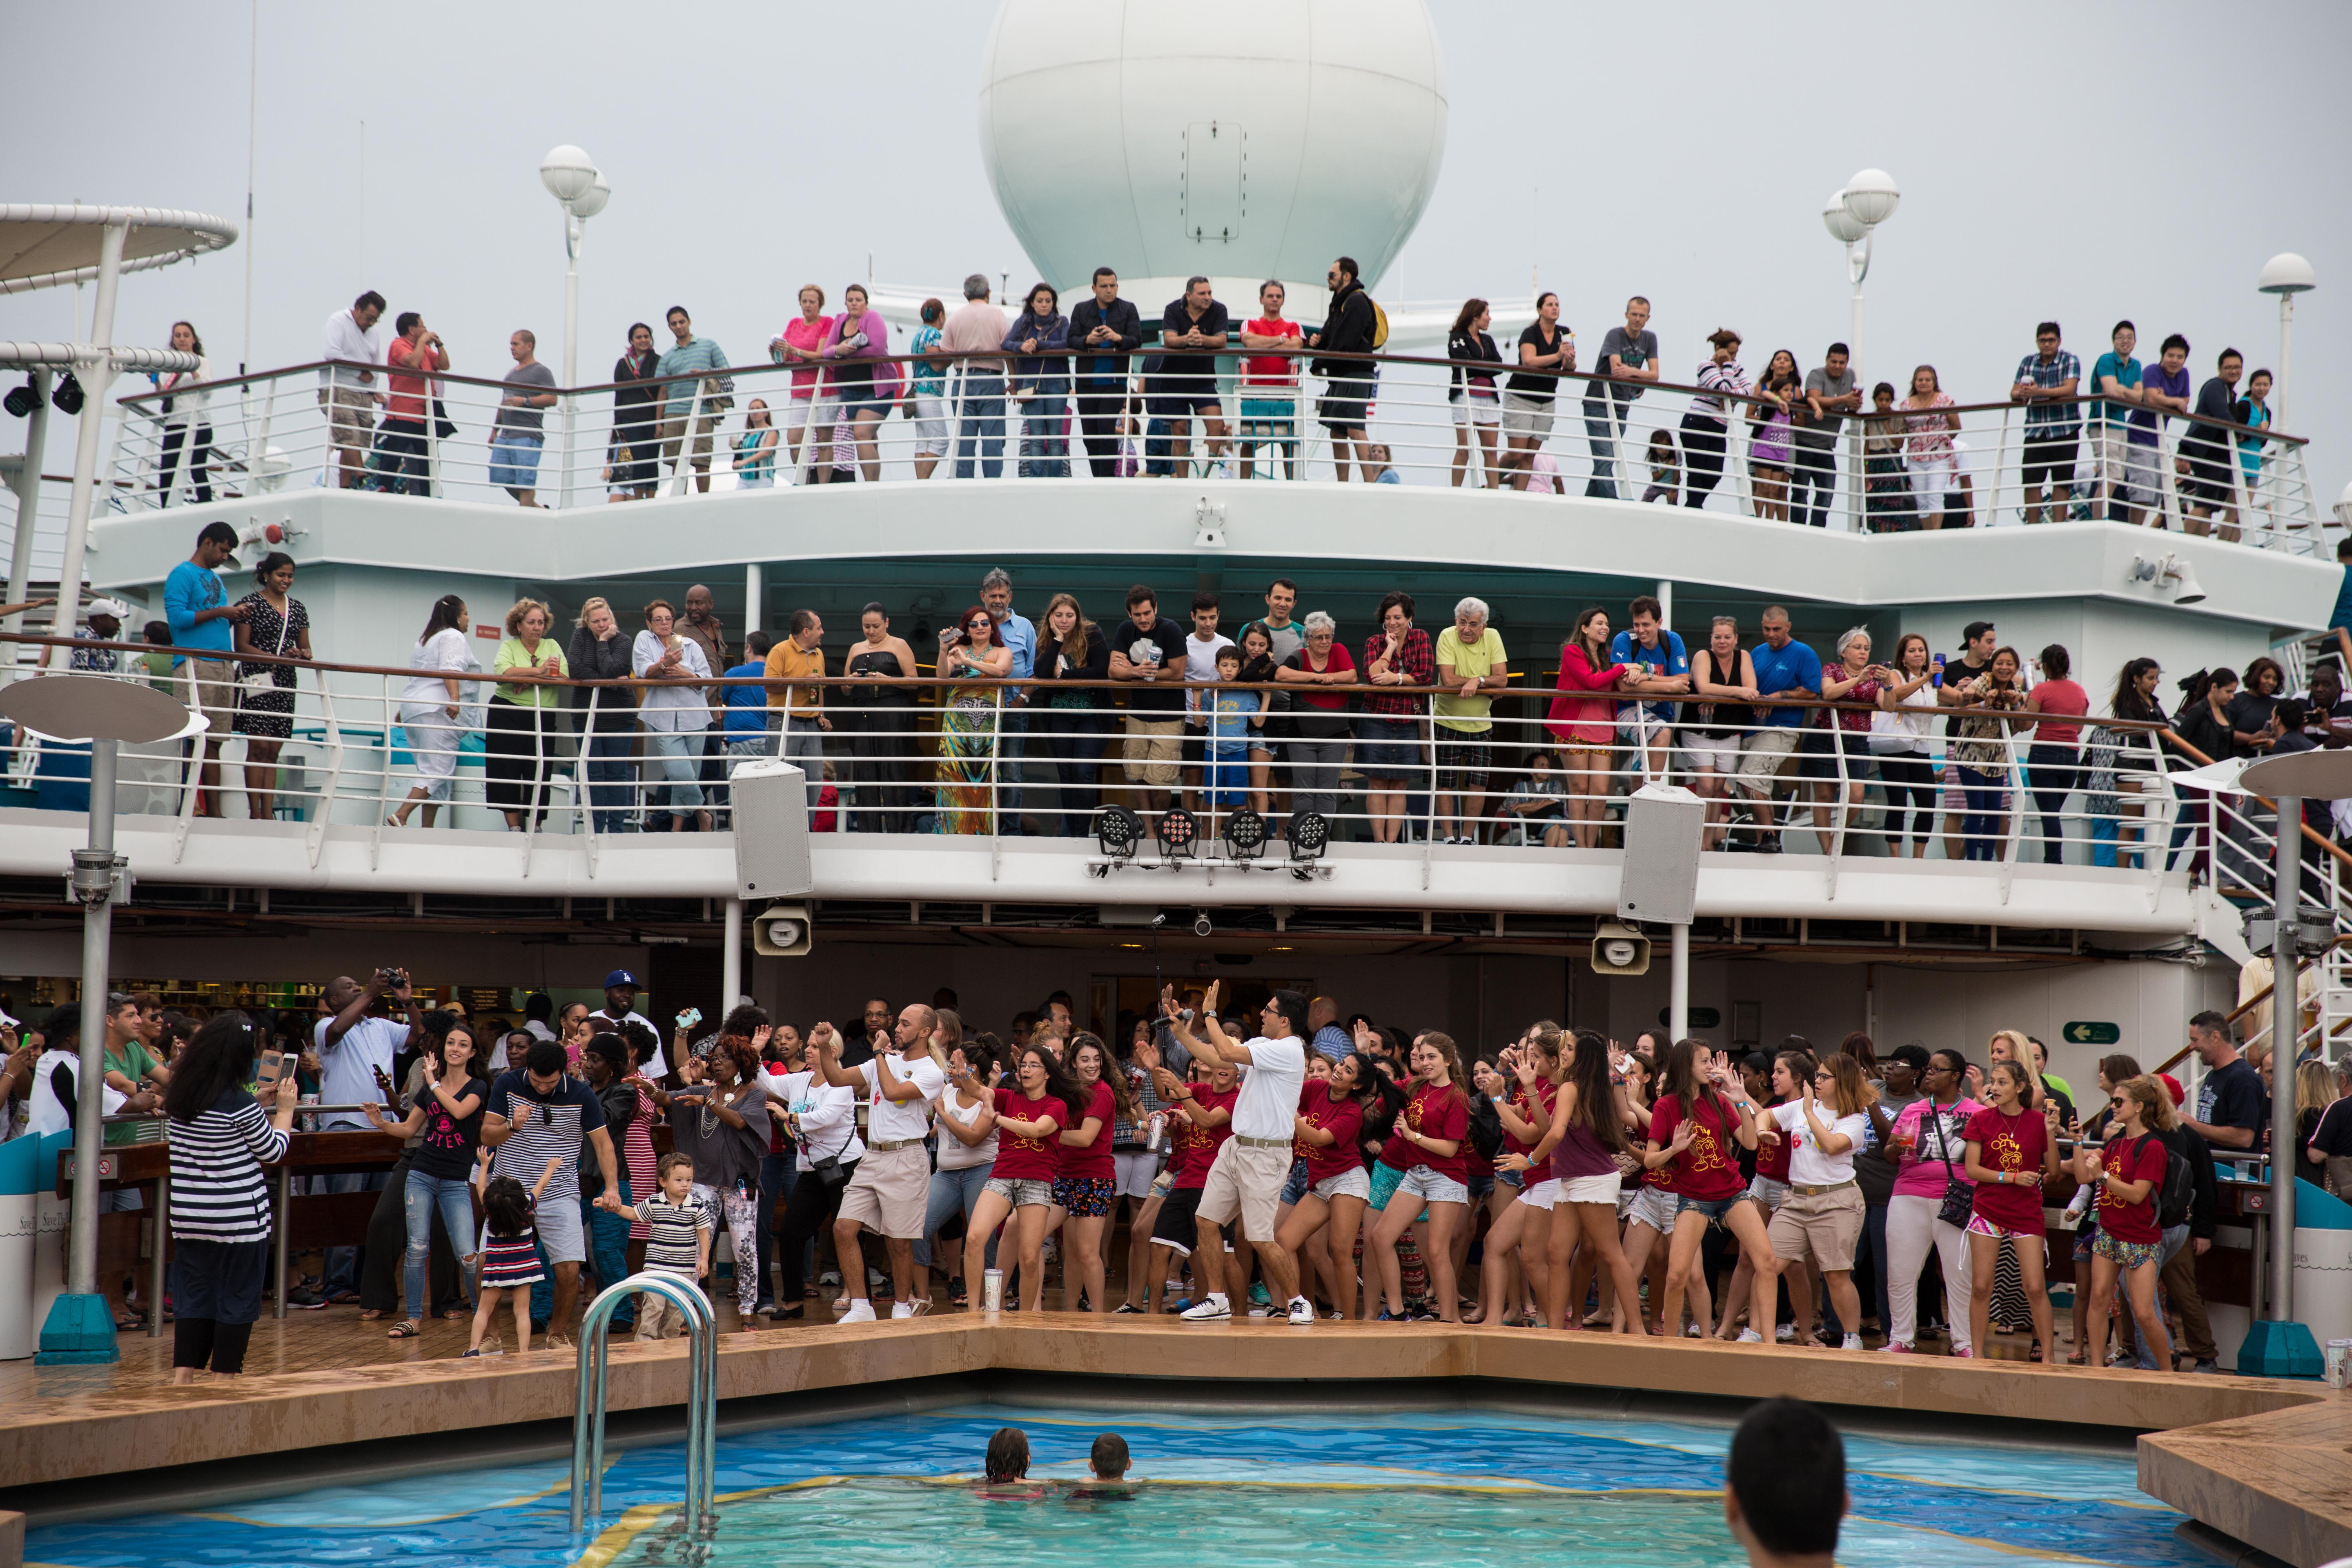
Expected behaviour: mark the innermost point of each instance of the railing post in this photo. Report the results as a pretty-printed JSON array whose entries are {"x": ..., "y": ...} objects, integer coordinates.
[
  {"x": 686, "y": 440},
  {"x": 2169, "y": 492},
  {"x": 257, "y": 445},
  {"x": 586, "y": 801},
  {"x": 316, "y": 835},
  {"x": 432, "y": 441}
]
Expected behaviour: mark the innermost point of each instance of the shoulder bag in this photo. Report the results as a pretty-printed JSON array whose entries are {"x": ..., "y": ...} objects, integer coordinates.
[
  {"x": 263, "y": 680},
  {"x": 1960, "y": 1194}
]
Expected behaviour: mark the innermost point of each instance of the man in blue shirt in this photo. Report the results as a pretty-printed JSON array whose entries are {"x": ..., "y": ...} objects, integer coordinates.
[
  {"x": 689, "y": 356},
  {"x": 744, "y": 723},
  {"x": 202, "y": 621},
  {"x": 2115, "y": 378},
  {"x": 1665, "y": 670},
  {"x": 1784, "y": 667},
  {"x": 1013, "y": 729}
]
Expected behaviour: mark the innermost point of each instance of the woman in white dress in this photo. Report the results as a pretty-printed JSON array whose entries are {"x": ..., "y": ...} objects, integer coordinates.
[{"x": 432, "y": 707}]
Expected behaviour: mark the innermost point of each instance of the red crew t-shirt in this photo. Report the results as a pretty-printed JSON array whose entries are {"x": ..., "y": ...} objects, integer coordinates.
[
  {"x": 2141, "y": 1159},
  {"x": 2010, "y": 1143},
  {"x": 1772, "y": 1159},
  {"x": 1344, "y": 1119},
  {"x": 1193, "y": 1148},
  {"x": 1094, "y": 1160},
  {"x": 1435, "y": 1110},
  {"x": 1020, "y": 1159},
  {"x": 1709, "y": 1169}
]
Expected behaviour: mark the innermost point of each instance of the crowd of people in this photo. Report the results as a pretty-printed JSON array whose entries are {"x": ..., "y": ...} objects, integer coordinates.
[
  {"x": 1016, "y": 726},
  {"x": 1283, "y": 1158},
  {"x": 1121, "y": 389}
]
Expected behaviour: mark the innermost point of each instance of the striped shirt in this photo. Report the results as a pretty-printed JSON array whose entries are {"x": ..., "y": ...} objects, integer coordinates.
[
  {"x": 546, "y": 1127},
  {"x": 670, "y": 1244},
  {"x": 218, "y": 1193},
  {"x": 1724, "y": 377}
]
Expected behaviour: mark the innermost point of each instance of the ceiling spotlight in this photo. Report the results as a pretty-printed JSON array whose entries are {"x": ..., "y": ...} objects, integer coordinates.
[
  {"x": 1309, "y": 831},
  {"x": 1244, "y": 835},
  {"x": 21, "y": 400},
  {"x": 1116, "y": 831},
  {"x": 1179, "y": 834},
  {"x": 67, "y": 397}
]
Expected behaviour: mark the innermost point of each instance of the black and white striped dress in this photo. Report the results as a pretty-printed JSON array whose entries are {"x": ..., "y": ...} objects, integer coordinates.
[{"x": 218, "y": 1191}]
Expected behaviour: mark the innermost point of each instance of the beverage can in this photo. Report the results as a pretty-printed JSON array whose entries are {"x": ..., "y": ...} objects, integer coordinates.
[
  {"x": 992, "y": 1291},
  {"x": 2339, "y": 1363},
  {"x": 1156, "y": 1127},
  {"x": 309, "y": 1123}
]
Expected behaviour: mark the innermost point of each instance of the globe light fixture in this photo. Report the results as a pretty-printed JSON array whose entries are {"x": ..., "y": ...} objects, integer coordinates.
[
  {"x": 578, "y": 186},
  {"x": 567, "y": 172},
  {"x": 1872, "y": 198},
  {"x": 2285, "y": 275},
  {"x": 1852, "y": 216}
]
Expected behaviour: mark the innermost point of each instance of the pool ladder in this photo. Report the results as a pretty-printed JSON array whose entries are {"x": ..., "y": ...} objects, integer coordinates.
[{"x": 701, "y": 1400}]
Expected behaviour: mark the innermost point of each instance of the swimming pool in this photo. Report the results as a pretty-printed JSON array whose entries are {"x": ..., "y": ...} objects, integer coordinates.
[{"x": 1462, "y": 1487}]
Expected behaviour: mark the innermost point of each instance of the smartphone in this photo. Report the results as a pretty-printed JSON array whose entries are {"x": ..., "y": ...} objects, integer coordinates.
[
  {"x": 271, "y": 1063},
  {"x": 689, "y": 1018},
  {"x": 384, "y": 1082}
]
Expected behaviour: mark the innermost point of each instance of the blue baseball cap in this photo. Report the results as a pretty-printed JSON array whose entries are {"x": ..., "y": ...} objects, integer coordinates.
[{"x": 622, "y": 977}]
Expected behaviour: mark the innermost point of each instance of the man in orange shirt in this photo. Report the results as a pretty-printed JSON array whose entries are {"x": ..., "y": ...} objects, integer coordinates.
[{"x": 801, "y": 656}]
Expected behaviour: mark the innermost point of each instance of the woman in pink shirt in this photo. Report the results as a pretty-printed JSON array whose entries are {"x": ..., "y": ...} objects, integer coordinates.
[
  {"x": 1927, "y": 448},
  {"x": 1928, "y": 1144},
  {"x": 797, "y": 344},
  {"x": 1585, "y": 725},
  {"x": 856, "y": 390},
  {"x": 2054, "y": 762}
]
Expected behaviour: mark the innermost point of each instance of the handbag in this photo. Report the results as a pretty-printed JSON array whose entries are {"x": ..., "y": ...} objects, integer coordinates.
[
  {"x": 263, "y": 680},
  {"x": 1960, "y": 1194}
]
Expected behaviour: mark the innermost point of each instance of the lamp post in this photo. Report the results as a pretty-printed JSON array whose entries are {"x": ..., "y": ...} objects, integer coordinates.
[
  {"x": 1851, "y": 215},
  {"x": 2285, "y": 275},
  {"x": 571, "y": 177}
]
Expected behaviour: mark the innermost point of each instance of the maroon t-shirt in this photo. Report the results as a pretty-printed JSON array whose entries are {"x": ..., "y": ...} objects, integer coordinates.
[
  {"x": 1772, "y": 1159},
  {"x": 2007, "y": 1144},
  {"x": 1020, "y": 1159},
  {"x": 1435, "y": 1110},
  {"x": 1708, "y": 1169},
  {"x": 1094, "y": 1160},
  {"x": 1194, "y": 1147},
  {"x": 1342, "y": 1117},
  {"x": 2142, "y": 1159}
]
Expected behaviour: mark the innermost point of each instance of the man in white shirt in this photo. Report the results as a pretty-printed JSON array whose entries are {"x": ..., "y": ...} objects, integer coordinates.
[
  {"x": 1201, "y": 646},
  {"x": 620, "y": 989},
  {"x": 1246, "y": 1178},
  {"x": 52, "y": 1099},
  {"x": 972, "y": 331},
  {"x": 891, "y": 1193},
  {"x": 350, "y": 1052},
  {"x": 348, "y": 393}
]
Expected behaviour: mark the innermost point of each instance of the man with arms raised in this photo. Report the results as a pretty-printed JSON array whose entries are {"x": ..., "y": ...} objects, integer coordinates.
[
  {"x": 1247, "y": 1177},
  {"x": 892, "y": 1189}
]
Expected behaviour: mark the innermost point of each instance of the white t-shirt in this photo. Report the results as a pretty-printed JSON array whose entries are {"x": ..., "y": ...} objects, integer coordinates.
[
  {"x": 901, "y": 1121},
  {"x": 1200, "y": 663},
  {"x": 955, "y": 1155},
  {"x": 656, "y": 1064},
  {"x": 1268, "y": 1104},
  {"x": 50, "y": 1114},
  {"x": 1808, "y": 1166},
  {"x": 347, "y": 1066},
  {"x": 828, "y": 1117}
]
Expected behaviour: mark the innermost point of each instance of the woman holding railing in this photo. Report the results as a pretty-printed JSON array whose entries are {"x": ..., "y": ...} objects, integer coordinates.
[
  {"x": 607, "y": 714},
  {"x": 1837, "y": 749},
  {"x": 1710, "y": 731},
  {"x": 1041, "y": 384},
  {"x": 523, "y": 716},
  {"x": 432, "y": 706},
  {"x": 798, "y": 346},
  {"x": 1885, "y": 484},
  {"x": 1767, "y": 443},
  {"x": 2117, "y": 762},
  {"x": 1928, "y": 424},
  {"x": 1583, "y": 720},
  {"x": 278, "y": 626},
  {"x": 674, "y": 718},
  {"x": 187, "y": 422},
  {"x": 1899, "y": 739},
  {"x": 633, "y": 460},
  {"x": 1981, "y": 748},
  {"x": 966, "y": 790}
]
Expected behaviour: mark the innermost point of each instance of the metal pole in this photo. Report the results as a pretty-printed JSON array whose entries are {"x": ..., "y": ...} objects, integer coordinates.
[
  {"x": 2287, "y": 1029},
  {"x": 160, "y": 1204},
  {"x": 1678, "y": 984},
  {"x": 28, "y": 499},
  {"x": 2279, "y": 381},
  {"x": 1857, "y": 265},
  {"x": 93, "y": 879},
  {"x": 281, "y": 1247},
  {"x": 98, "y": 374},
  {"x": 575, "y": 231},
  {"x": 730, "y": 968},
  {"x": 755, "y": 599}
]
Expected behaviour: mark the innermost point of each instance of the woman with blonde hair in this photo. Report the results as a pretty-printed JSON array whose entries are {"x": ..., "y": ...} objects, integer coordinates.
[
  {"x": 1928, "y": 445},
  {"x": 523, "y": 715},
  {"x": 607, "y": 716}
]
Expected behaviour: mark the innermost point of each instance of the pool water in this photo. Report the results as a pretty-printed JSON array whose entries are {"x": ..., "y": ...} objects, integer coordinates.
[{"x": 1461, "y": 1488}]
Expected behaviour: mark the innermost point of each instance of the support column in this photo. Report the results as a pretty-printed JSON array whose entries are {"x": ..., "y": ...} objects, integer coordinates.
[
  {"x": 98, "y": 376},
  {"x": 1678, "y": 984},
  {"x": 755, "y": 596},
  {"x": 731, "y": 967}
]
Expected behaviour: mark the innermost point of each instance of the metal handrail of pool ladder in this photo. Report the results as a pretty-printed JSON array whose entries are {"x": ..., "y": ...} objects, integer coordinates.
[{"x": 701, "y": 1400}]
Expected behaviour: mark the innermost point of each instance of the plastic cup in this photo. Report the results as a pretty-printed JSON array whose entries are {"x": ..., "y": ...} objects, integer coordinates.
[{"x": 992, "y": 1291}]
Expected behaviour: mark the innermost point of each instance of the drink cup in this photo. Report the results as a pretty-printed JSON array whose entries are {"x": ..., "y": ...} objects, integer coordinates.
[{"x": 992, "y": 1291}]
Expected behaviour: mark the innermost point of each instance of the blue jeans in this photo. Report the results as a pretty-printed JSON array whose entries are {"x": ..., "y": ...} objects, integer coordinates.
[
  {"x": 1980, "y": 824},
  {"x": 951, "y": 1191},
  {"x": 608, "y": 781},
  {"x": 676, "y": 756},
  {"x": 425, "y": 1194},
  {"x": 980, "y": 421},
  {"x": 1600, "y": 435},
  {"x": 2052, "y": 774},
  {"x": 1044, "y": 430}
]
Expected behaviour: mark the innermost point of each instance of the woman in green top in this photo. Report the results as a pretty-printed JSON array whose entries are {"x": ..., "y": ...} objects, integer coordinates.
[{"x": 525, "y": 715}]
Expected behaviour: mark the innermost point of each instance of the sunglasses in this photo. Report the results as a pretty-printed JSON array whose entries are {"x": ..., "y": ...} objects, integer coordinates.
[{"x": 2117, "y": 1102}]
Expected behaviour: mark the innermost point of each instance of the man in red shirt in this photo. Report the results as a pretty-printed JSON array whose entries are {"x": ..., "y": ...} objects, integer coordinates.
[
  {"x": 1270, "y": 383},
  {"x": 416, "y": 350}
]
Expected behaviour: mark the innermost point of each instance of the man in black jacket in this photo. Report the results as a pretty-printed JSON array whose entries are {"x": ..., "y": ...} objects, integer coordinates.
[
  {"x": 1108, "y": 327},
  {"x": 1348, "y": 328},
  {"x": 2208, "y": 491}
]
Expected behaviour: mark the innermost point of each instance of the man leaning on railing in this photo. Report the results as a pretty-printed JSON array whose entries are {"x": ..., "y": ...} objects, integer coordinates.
[{"x": 347, "y": 392}]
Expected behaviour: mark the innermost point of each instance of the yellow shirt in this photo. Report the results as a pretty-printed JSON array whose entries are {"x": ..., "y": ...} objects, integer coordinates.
[
  {"x": 786, "y": 660},
  {"x": 1468, "y": 715},
  {"x": 510, "y": 656}
]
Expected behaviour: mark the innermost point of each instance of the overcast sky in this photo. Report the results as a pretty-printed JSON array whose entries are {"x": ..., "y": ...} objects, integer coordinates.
[{"x": 2085, "y": 162}]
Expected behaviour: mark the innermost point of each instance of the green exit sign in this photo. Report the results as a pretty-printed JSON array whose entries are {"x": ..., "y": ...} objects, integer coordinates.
[
  {"x": 2091, "y": 1034},
  {"x": 1700, "y": 1018}
]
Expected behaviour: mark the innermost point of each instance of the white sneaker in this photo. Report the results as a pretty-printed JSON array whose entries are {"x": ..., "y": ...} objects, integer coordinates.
[
  {"x": 1302, "y": 1311},
  {"x": 875, "y": 1279},
  {"x": 1786, "y": 1333},
  {"x": 1050, "y": 1251},
  {"x": 1212, "y": 1310},
  {"x": 1851, "y": 1342},
  {"x": 830, "y": 1277},
  {"x": 903, "y": 1310},
  {"x": 861, "y": 1311},
  {"x": 1750, "y": 1337}
]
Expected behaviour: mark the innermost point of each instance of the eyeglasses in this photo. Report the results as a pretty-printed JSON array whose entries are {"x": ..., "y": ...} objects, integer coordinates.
[{"x": 2117, "y": 1102}]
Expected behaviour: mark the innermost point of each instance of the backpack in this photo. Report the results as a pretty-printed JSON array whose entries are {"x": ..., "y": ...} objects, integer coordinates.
[
  {"x": 2178, "y": 1191},
  {"x": 1485, "y": 1127},
  {"x": 1380, "y": 322}
]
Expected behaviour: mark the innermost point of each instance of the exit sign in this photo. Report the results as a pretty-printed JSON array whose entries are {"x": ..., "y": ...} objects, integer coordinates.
[{"x": 2091, "y": 1034}]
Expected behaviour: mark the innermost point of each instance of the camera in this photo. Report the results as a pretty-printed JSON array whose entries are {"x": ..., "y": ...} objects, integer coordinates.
[{"x": 391, "y": 975}]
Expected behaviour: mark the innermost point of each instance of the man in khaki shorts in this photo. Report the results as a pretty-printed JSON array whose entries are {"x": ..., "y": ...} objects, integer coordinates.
[
  {"x": 1246, "y": 1178},
  {"x": 347, "y": 392},
  {"x": 892, "y": 1189}
]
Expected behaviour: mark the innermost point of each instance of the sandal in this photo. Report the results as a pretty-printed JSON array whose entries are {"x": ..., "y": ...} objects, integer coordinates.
[
  {"x": 406, "y": 1329},
  {"x": 918, "y": 1306}
]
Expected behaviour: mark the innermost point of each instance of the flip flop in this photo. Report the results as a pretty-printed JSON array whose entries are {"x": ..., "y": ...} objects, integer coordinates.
[{"x": 405, "y": 1329}]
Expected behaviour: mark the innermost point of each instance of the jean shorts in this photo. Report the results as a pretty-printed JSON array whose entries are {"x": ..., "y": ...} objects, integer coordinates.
[
  {"x": 1434, "y": 1186},
  {"x": 1656, "y": 1207},
  {"x": 1355, "y": 1182},
  {"x": 1713, "y": 1208},
  {"x": 1296, "y": 1185},
  {"x": 1022, "y": 1192},
  {"x": 1770, "y": 1191},
  {"x": 1481, "y": 1183}
]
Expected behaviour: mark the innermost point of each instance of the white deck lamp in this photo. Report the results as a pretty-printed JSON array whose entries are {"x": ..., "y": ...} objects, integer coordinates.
[
  {"x": 578, "y": 186},
  {"x": 1852, "y": 216},
  {"x": 2285, "y": 275}
]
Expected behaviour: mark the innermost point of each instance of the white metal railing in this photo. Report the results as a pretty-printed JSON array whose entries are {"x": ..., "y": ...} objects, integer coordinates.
[
  {"x": 973, "y": 758},
  {"x": 1896, "y": 471}
]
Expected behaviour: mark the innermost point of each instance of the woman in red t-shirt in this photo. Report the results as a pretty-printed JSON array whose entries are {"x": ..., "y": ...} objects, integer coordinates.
[
  {"x": 1423, "y": 1171},
  {"x": 1330, "y": 1123},
  {"x": 1791, "y": 1070},
  {"x": 2012, "y": 1150},
  {"x": 1582, "y": 1150},
  {"x": 1081, "y": 1192},
  {"x": 1585, "y": 725},
  {"x": 1702, "y": 1109},
  {"x": 2128, "y": 1173},
  {"x": 1029, "y": 1123}
]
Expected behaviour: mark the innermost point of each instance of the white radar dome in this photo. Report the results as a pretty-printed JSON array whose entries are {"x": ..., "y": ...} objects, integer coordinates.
[{"x": 1232, "y": 138}]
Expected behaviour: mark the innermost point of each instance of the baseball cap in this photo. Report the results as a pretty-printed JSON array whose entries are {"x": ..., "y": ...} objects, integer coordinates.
[
  {"x": 622, "y": 977},
  {"x": 113, "y": 607},
  {"x": 1975, "y": 629}
]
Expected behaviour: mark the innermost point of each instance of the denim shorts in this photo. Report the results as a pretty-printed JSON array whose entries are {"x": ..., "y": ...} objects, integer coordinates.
[
  {"x": 1481, "y": 1183},
  {"x": 1354, "y": 1181},
  {"x": 1770, "y": 1191},
  {"x": 1022, "y": 1192},
  {"x": 1389, "y": 747},
  {"x": 1656, "y": 1207},
  {"x": 1713, "y": 1208},
  {"x": 1296, "y": 1186},
  {"x": 1434, "y": 1186}
]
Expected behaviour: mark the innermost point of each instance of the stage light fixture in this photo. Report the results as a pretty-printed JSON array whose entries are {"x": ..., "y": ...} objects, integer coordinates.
[
  {"x": 1180, "y": 835},
  {"x": 1310, "y": 832},
  {"x": 1244, "y": 835},
  {"x": 1116, "y": 831}
]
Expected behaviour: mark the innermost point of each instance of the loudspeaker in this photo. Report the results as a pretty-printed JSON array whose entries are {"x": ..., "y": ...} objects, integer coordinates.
[
  {"x": 771, "y": 849},
  {"x": 1659, "y": 881},
  {"x": 781, "y": 931},
  {"x": 1619, "y": 950}
]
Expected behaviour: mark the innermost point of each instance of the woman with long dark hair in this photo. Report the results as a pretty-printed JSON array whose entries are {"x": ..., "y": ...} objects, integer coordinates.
[
  {"x": 220, "y": 1138},
  {"x": 1030, "y": 1118},
  {"x": 280, "y": 627},
  {"x": 2116, "y": 763},
  {"x": 1084, "y": 1193},
  {"x": 1925, "y": 1144},
  {"x": 1584, "y": 1137},
  {"x": 881, "y": 724},
  {"x": 1391, "y": 733},
  {"x": 854, "y": 393},
  {"x": 432, "y": 707},
  {"x": 1424, "y": 1168},
  {"x": 1781, "y": 390},
  {"x": 1330, "y": 1119},
  {"x": 444, "y": 1115},
  {"x": 966, "y": 1118},
  {"x": 1701, "y": 1112},
  {"x": 1071, "y": 648},
  {"x": 1470, "y": 390},
  {"x": 1899, "y": 739},
  {"x": 1981, "y": 752},
  {"x": 966, "y": 800},
  {"x": 1040, "y": 384},
  {"x": 1583, "y": 720},
  {"x": 633, "y": 459},
  {"x": 1520, "y": 1086},
  {"x": 1706, "y": 428}
]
